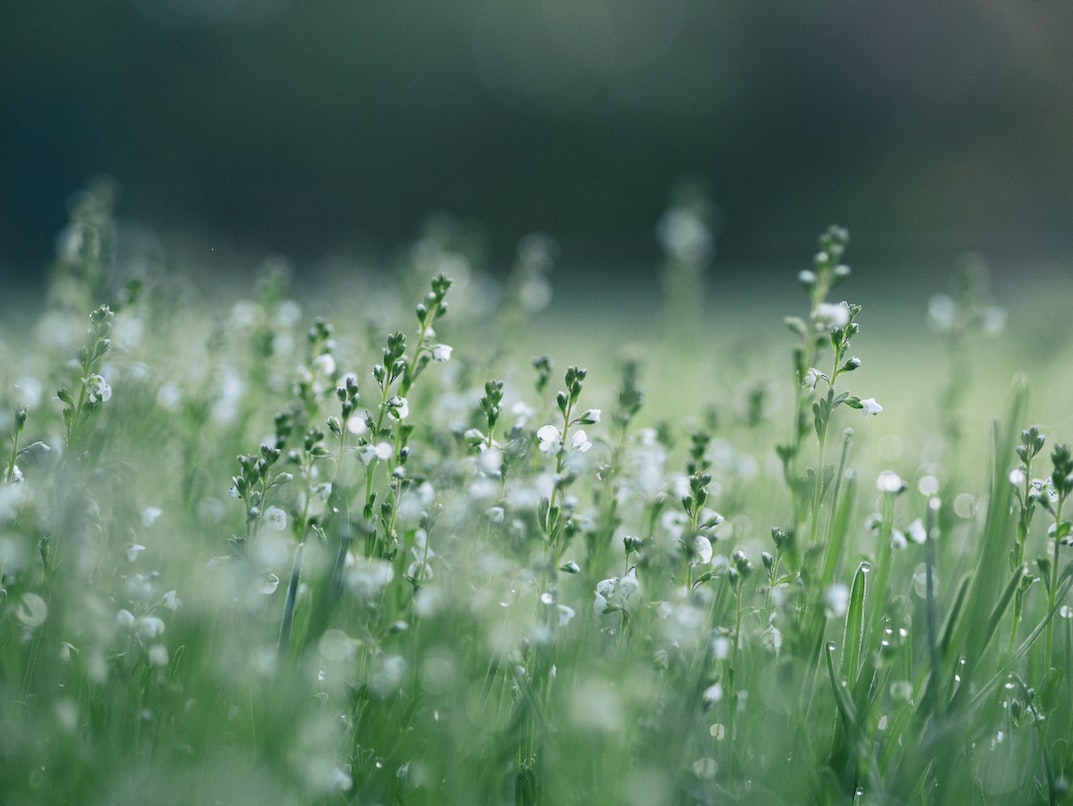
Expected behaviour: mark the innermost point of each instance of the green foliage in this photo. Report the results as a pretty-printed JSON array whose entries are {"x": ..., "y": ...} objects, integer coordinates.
[{"x": 427, "y": 587}]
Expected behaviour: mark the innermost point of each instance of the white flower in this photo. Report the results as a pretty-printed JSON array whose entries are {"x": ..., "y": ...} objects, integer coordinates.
[
  {"x": 889, "y": 482},
  {"x": 811, "y": 378},
  {"x": 356, "y": 423},
  {"x": 124, "y": 619},
  {"x": 324, "y": 364},
  {"x": 897, "y": 539},
  {"x": 523, "y": 412},
  {"x": 580, "y": 442},
  {"x": 591, "y": 416},
  {"x": 172, "y": 601},
  {"x": 133, "y": 550},
  {"x": 869, "y": 406},
  {"x": 158, "y": 655},
  {"x": 97, "y": 389},
  {"x": 550, "y": 439},
  {"x": 441, "y": 353},
  {"x": 916, "y": 531},
  {"x": 685, "y": 236},
  {"x": 565, "y": 614},
  {"x": 399, "y": 407},
  {"x": 941, "y": 312},
  {"x": 702, "y": 550},
  {"x": 714, "y": 693},
  {"x": 149, "y": 515},
  {"x": 269, "y": 583},
  {"x": 275, "y": 519},
  {"x": 830, "y": 316},
  {"x": 150, "y": 627}
]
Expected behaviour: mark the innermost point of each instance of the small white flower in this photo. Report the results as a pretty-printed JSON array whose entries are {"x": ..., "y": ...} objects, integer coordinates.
[
  {"x": 97, "y": 389},
  {"x": 702, "y": 550},
  {"x": 550, "y": 439},
  {"x": 916, "y": 531},
  {"x": 591, "y": 416},
  {"x": 830, "y": 316},
  {"x": 565, "y": 614},
  {"x": 897, "y": 539},
  {"x": 275, "y": 519},
  {"x": 158, "y": 655},
  {"x": 491, "y": 461},
  {"x": 890, "y": 482},
  {"x": 941, "y": 312},
  {"x": 172, "y": 601},
  {"x": 869, "y": 406},
  {"x": 383, "y": 451},
  {"x": 124, "y": 619},
  {"x": 149, "y": 627},
  {"x": 812, "y": 377},
  {"x": 324, "y": 364},
  {"x": 714, "y": 693},
  {"x": 133, "y": 550},
  {"x": 269, "y": 583},
  {"x": 580, "y": 441},
  {"x": 1017, "y": 477},
  {"x": 441, "y": 353},
  {"x": 356, "y": 423},
  {"x": 149, "y": 515},
  {"x": 399, "y": 407},
  {"x": 523, "y": 412}
]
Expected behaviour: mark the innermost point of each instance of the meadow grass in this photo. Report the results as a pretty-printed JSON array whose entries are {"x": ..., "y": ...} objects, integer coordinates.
[{"x": 376, "y": 546}]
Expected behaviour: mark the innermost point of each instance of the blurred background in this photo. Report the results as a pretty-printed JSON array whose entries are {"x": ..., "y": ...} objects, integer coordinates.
[{"x": 331, "y": 130}]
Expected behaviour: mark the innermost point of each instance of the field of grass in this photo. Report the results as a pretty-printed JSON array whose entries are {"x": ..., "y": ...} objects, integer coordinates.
[{"x": 403, "y": 540}]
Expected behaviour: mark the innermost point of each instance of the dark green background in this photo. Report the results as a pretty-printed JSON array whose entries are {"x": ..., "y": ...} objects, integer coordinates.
[{"x": 327, "y": 127}]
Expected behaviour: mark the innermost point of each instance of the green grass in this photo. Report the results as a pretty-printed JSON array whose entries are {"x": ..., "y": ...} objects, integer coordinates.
[{"x": 288, "y": 548}]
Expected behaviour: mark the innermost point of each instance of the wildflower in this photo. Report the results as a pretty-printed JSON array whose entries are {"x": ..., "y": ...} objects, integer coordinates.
[
  {"x": 325, "y": 364},
  {"x": 590, "y": 417},
  {"x": 869, "y": 406},
  {"x": 158, "y": 655},
  {"x": 616, "y": 593},
  {"x": 150, "y": 514},
  {"x": 897, "y": 539},
  {"x": 550, "y": 439},
  {"x": 890, "y": 482},
  {"x": 124, "y": 619},
  {"x": 357, "y": 423},
  {"x": 685, "y": 236},
  {"x": 133, "y": 550},
  {"x": 812, "y": 377},
  {"x": 580, "y": 442},
  {"x": 702, "y": 550},
  {"x": 398, "y": 407},
  {"x": 171, "y": 601},
  {"x": 565, "y": 614},
  {"x": 149, "y": 627},
  {"x": 522, "y": 412},
  {"x": 441, "y": 353},
  {"x": 916, "y": 531},
  {"x": 941, "y": 312},
  {"x": 97, "y": 389},
  {"x": 269, "y": 583},
  {"x": 828, "y": 316},
  {"x": 714, "y": 693},
  {"x": 275, "y": 518}
]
